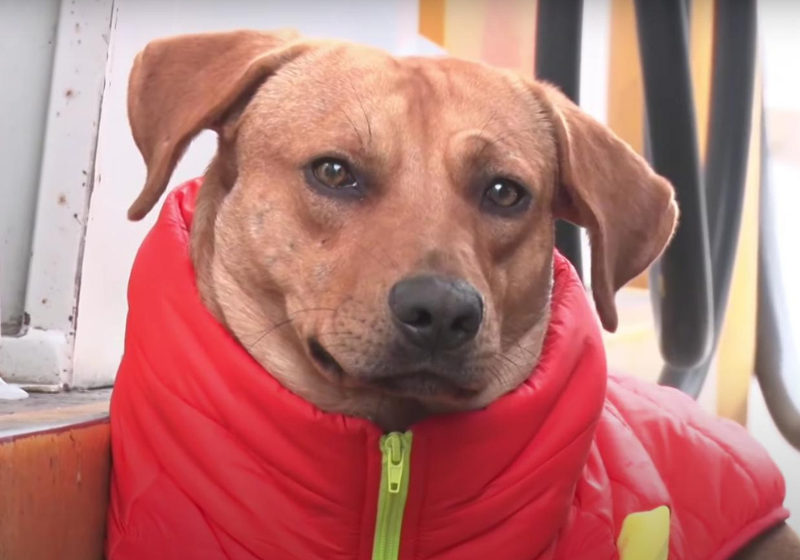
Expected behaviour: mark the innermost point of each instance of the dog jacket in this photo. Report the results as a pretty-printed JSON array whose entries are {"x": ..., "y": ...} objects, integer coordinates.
[{"x": 214, "y": 460}]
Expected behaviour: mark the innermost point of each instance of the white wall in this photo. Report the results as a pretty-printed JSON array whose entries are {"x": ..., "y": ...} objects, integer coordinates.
[
  {"x": 27, "y": 43},
  {"x": 595, "y": 61},
  {"x": 111, "y": 241},
  {"x": 779, "y": 22},
  {"x": 57, "y": 187}
]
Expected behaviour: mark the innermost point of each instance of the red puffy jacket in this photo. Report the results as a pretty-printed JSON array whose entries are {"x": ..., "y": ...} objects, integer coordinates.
[{"x": 213, "y": 459}]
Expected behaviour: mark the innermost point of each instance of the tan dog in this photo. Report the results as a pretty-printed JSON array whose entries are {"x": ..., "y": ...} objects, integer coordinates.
[{"x": 353, "y": 179}]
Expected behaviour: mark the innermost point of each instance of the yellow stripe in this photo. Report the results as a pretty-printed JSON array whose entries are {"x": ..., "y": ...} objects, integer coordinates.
[
  {"x": 626, "y": 89},
  {"x": 645, "y": 535},
  {"x": 737, "y": 348},
  {"x": 463, "y": 28},
  {"x": 701, "y": 45},
  {"x": 431, "y": 20}
]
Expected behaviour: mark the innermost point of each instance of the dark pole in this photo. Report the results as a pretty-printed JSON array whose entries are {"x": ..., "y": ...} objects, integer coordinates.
[
  {"x": 558, "y": 61},
  {"x": 729, "y": 138},
  {"x": 683, "y": 286},
  {"x": 725, "y": 171}
]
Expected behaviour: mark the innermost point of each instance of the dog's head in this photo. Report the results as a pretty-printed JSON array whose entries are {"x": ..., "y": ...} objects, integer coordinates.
[{"x": 380, "y": 230}]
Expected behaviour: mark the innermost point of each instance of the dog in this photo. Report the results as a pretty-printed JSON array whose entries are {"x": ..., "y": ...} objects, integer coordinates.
[{"x": 378, "y": 232}]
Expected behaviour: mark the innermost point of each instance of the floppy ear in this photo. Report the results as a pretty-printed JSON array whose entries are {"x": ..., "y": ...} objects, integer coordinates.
[
  {"x": 628, "y": 210},
  {"x": 182, "y": 85}
]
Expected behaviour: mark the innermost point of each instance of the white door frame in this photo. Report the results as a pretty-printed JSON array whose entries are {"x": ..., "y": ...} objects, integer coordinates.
[{"x": 42, "y": 353}]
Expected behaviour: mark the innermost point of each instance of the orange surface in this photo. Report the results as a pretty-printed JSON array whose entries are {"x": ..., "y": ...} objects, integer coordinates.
[
  {"x": 625, "y": 86},
  {"x": 54, "y": 494},
  {"x": 737, "y": 347},
  {"x": 431, "y": 20},
  {"x": 701, "y": 41}
]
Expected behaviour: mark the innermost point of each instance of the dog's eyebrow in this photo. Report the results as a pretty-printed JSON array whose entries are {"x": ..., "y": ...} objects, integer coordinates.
[
  {"x": 364, "y": 112},
  {"x": 489, "y": 120},
  {"x": 366, "y": 118},
  {"x": 496, "y": 142},
  {"x": 358, "y": 132}
]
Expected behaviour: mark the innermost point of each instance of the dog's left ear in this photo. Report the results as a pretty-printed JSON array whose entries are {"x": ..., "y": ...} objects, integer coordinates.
[
  {"x": 182, "y": 85},
  {"x": 604, "y": 186}
]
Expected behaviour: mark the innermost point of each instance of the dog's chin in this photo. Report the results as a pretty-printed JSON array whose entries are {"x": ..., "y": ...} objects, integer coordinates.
[{"x": 422, "y": 384}]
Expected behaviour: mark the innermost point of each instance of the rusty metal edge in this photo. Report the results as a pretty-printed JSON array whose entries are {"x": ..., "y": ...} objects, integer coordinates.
[{"x": 13, "y": 434}]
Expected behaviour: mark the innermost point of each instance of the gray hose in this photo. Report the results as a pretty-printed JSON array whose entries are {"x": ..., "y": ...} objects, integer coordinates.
[
  {"x": 776, "y": 354},
  {"x": 683, "y": 303}
]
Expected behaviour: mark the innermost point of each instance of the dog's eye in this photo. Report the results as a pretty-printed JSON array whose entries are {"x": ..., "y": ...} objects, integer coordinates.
[
  {"x": 333, "y": 174},
  {"x": 504, "y": 194}
]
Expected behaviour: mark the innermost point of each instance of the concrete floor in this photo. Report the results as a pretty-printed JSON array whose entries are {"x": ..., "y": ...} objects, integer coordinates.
[
  {"x": 44, "y": 412},
  {"x": 48, "y": 401}
]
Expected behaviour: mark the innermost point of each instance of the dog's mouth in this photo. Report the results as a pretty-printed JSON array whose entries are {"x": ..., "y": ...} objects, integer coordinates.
[
  {"x": 324, "y": 358},
  {"x": 419, "y": 383},
  {"x": 423, "y": 384}
]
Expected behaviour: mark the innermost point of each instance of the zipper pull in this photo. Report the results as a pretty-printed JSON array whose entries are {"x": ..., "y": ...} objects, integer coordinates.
[{"x": 395, "y": 461}]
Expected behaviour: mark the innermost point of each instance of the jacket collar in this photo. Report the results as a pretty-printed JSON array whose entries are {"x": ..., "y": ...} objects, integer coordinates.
[{"x": 519, "y": 458}]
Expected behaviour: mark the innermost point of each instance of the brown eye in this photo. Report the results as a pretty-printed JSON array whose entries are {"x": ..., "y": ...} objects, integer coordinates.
[
  {"x": 333, "y": 174},
  {"x": 504, "y": 193}
]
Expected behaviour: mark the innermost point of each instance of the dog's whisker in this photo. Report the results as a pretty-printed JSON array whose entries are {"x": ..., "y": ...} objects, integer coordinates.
[
  {"x": 495, "y": 374},
  {"x": 505, "y": 364},
  {"x": 532, "y": 355},
  {"x": 290, "y": 317},
  {"x": 288, "y": 320}
]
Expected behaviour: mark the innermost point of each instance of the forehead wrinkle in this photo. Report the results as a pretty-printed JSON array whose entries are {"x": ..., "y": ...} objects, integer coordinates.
[
  {"x": 358, "y": 132},
  {"x": 414, "y": 126},
  {"x": 422, "y": 97},
  {"x": 492, "y": 148}
]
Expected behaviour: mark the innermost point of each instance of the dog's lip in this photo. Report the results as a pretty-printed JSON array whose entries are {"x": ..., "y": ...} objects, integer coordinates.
[
  {"x": 411, "y": 383},
  {"x": 423, "y": 383}
]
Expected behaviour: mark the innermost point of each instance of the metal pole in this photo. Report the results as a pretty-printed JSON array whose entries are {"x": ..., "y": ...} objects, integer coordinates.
[
  {"x": 558, "y": 61},
  {"x": 683, "y": 289},
  {"x": 726, "y": 167}
]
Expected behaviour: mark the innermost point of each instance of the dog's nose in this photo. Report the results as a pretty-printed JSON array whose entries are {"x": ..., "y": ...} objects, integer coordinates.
[{"x": 436, "y": 313}]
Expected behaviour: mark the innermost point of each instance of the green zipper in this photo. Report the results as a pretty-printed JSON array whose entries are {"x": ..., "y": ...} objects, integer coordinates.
[{"x": 396, "y": 451}]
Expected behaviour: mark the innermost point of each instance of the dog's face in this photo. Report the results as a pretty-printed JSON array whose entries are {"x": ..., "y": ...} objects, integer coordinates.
[
  {"x": 403, "y": 212},
  {"x": 378, "y": 232}
]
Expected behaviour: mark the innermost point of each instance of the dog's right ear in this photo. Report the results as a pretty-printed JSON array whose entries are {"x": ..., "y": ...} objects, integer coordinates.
[{"x": 182, "y": 85}]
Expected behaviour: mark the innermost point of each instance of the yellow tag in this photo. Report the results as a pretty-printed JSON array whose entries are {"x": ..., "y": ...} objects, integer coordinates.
[{"x": 645, "y": 535}]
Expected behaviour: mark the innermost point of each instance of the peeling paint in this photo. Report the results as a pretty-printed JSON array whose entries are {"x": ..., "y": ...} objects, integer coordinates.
[{"x": 77, "y": 74}]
